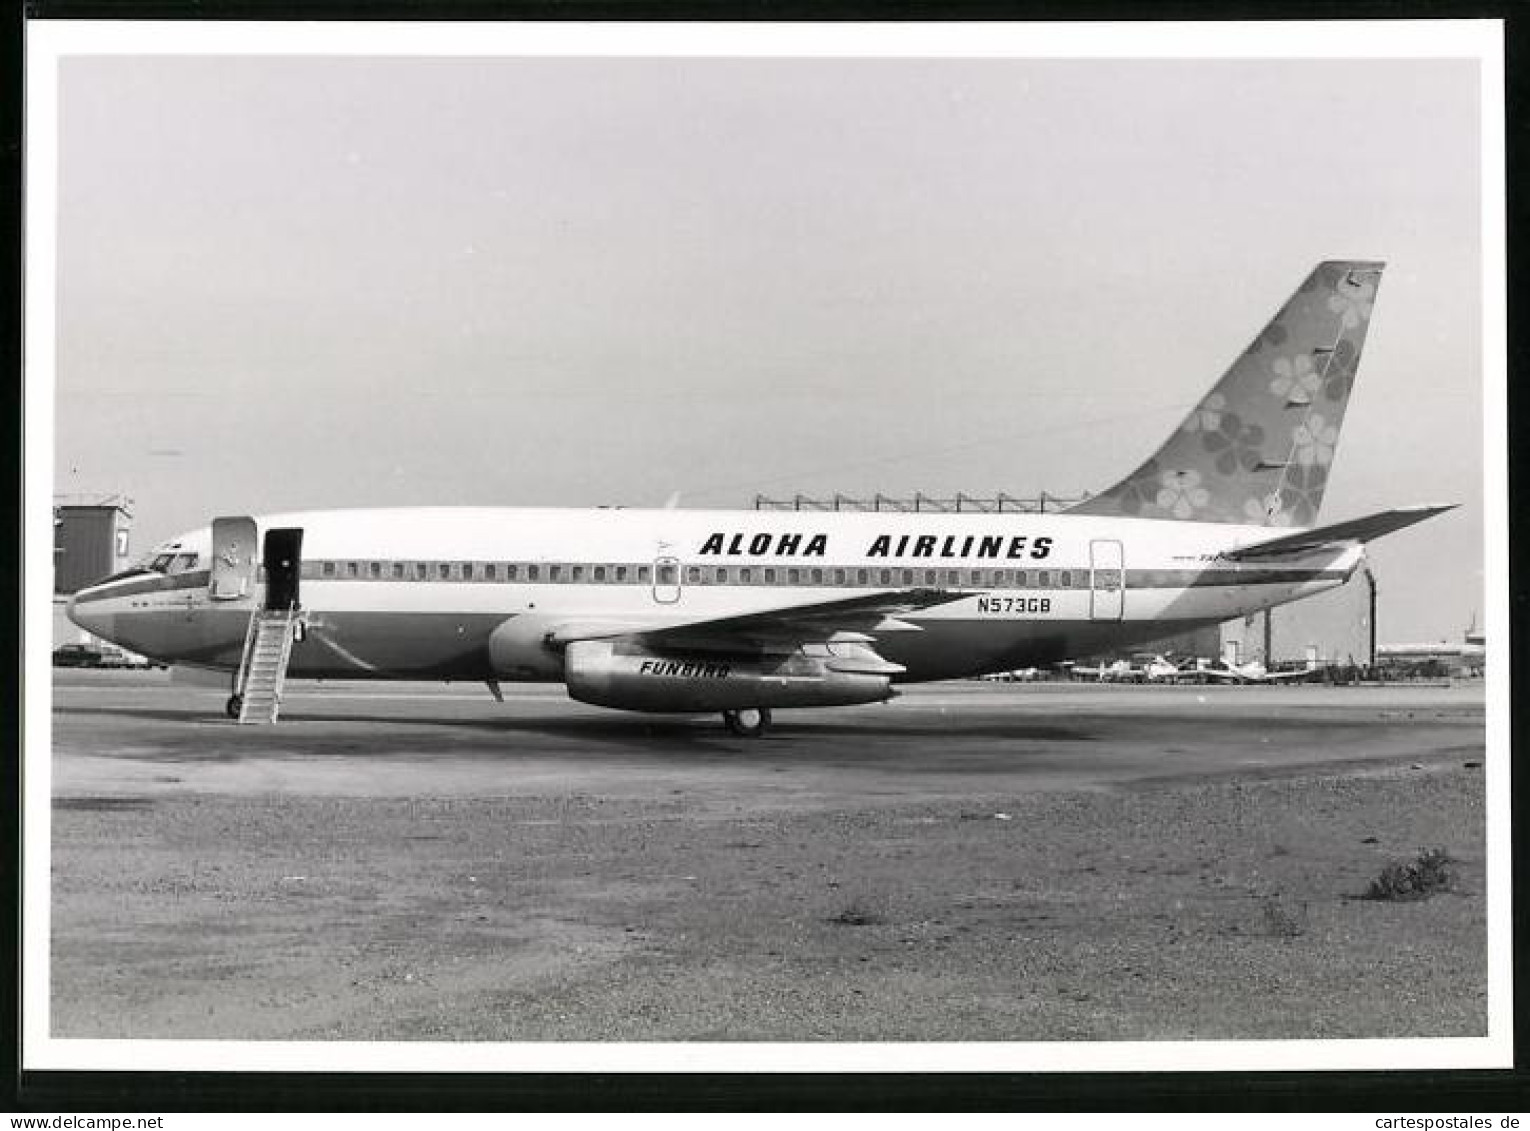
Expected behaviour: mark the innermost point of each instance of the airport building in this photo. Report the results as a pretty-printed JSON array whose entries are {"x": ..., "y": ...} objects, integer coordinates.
[{"x": 92, "y": 538}]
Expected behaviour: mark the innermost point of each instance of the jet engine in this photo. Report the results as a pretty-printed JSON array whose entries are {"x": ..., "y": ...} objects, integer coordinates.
[{"x": 633, "y": 677}]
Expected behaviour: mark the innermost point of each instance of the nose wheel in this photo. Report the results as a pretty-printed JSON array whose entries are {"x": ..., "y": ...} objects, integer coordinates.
[
  {"x": 234, "y": 705},
  {"x": 750, "y": 722}
]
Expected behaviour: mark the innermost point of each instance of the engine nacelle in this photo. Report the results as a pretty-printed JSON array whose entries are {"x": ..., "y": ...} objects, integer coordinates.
[{"x": 631, "y": 677}]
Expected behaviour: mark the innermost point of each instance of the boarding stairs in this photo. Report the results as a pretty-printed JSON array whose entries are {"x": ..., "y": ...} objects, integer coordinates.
[{"x": 263, "y": 668}]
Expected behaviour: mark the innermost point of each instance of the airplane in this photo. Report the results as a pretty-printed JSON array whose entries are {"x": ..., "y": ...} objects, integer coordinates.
[
  {"x": 1118, "y": 671},
  {"x": 1161, "y": 669},
  {"x": 739, "y": 612},
  {"x": 1017, "y": 675},
  {"x": 1255, "y": 672}
]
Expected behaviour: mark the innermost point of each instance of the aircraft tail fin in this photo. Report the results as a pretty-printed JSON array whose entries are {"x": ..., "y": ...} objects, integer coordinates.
[{"x": 1258, "y": 447}]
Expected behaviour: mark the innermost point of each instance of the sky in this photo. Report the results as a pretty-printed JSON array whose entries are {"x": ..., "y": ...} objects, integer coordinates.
[{"x": 286, "y": 283}]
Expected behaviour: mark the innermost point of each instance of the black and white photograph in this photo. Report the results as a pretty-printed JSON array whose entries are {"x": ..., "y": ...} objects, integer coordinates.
[{"x": 788, "y": 547}]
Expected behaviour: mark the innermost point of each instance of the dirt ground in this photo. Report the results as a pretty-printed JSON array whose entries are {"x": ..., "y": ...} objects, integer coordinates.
[{"x": 972, "y": 862}]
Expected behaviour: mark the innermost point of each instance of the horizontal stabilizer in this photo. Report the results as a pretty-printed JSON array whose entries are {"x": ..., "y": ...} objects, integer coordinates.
[{"x": 1354, "y": 530}]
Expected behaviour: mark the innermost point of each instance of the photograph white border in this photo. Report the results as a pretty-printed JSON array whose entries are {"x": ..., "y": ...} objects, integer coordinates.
[{"x": 47, "y": 42}]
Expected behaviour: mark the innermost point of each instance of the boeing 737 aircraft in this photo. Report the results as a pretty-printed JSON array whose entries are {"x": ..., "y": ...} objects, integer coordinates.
[{"x": 740, "y": 612}]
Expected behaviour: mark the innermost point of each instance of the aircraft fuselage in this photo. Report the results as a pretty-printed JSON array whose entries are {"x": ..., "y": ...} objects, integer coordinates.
[{"x": 472, "y": 593}]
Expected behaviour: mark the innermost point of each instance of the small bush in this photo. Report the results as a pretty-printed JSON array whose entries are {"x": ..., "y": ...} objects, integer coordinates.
[
  {"x": 856, "y": 915},
  {"x": 1285, "y": 919},
  {"x": 1431, "y": 871}
]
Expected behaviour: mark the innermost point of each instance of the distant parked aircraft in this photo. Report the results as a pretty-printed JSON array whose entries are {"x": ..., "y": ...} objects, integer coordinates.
[
  {"x": 1161, "y": 669},
  {"x": 1119, "y": 671},
  {"x": 1255, "y": 672}
]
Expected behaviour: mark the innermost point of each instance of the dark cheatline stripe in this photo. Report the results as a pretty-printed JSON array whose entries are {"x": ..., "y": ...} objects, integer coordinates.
[{"x": 1135, "y": 579}]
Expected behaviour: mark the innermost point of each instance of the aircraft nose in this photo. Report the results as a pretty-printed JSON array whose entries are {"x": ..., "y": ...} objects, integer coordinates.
[{"x": 82, "y": 614}]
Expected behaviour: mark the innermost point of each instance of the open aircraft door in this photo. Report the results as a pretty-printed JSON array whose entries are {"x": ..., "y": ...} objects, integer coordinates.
[
  {"x": 234, "y": 546},
  {"x": 283, "y": 565},
  {"x": 1107, "y": 580}
]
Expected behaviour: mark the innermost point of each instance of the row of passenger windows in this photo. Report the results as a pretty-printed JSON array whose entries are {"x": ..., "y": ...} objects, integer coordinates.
[{"x": 664, "y": 573}]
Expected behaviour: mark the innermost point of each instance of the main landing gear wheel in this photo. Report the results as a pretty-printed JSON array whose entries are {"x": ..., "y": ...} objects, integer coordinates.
[
  {"x": 750, "y": 722},
  {"x": 233, "y": 706}
]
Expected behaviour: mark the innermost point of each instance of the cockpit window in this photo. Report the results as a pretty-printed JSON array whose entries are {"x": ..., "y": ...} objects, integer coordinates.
[
  {"x": 161, "y": 564},
  {"x": 183, "y": 563}
]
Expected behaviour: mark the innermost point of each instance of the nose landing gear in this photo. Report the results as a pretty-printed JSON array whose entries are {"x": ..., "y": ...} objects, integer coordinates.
[
  {"x": 749, "y": 722},
  {"x": 234, "y": 705}
]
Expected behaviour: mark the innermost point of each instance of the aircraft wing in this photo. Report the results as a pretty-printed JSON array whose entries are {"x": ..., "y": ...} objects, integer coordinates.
[
  {"x": 1336, "y": 534},
  {"x": 1282, "y": 677},
  {"x": 1224, "y": 673},
  {"x": 848, "y": 620}
]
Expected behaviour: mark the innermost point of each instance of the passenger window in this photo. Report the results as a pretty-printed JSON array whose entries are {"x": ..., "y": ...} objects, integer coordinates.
[
  {"x": 643, "y": 574},
  {"x": 976, "y": 578},
  {"x": 329, "y": 569},
  {"x": 862, "y": 576},
  {"x": 906, "y": 577},
  {"x": 490, "y": 571},
  {"x": 794, "y": 576},
  {"x": 817, "y": 576},
  {"x": 693, "y": 575},
  {"x": 421, "y": 571},
  {"x": 555, "y": 572},
  {"x": 720, "y": 575},
  {"x": 953, "y": 577},
  {"x": 931, "y": 577},
  {"x": 621, "y": 573},
  {"x": 577, "y": 573},
  {"x": 839, "y": 577},
  {"x": 1000, "y": 578},
  {"x": 398, "y": 570},
  {"x": 467, "y": 571},
  {"x": 1022, "y": 579},
  {"x": 770, "y": 575},
  {"x": 1043, "y": 579},
  {"x": 884, "y": 577},
  {"x": 600, "y": 573},
  {"x": 374, "y": 569},
  {"x": 1065, "y": 579},
  {"x": 745, "y": 575}
]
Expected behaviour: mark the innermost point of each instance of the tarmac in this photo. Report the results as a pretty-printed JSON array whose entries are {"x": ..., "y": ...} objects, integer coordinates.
[{"x": 970, "y": 861}]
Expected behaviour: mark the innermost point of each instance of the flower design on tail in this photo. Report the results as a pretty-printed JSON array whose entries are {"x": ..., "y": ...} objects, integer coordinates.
[
  {"x": 1340, "y": 377},
  {"x": 1267, "y": 510},
  {"x": 1208, "y": 416},
  {"x": 1295, "y": 379},
  {"x": 1302, "y": 493},
  {"x": 1314, "y": 440},
  {"x": 1352, "y": 301},
  {"x": 1235, "y": 445},
  {"x": 1141, "y": 489},
  {"x": 1181, "y": 494}
]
